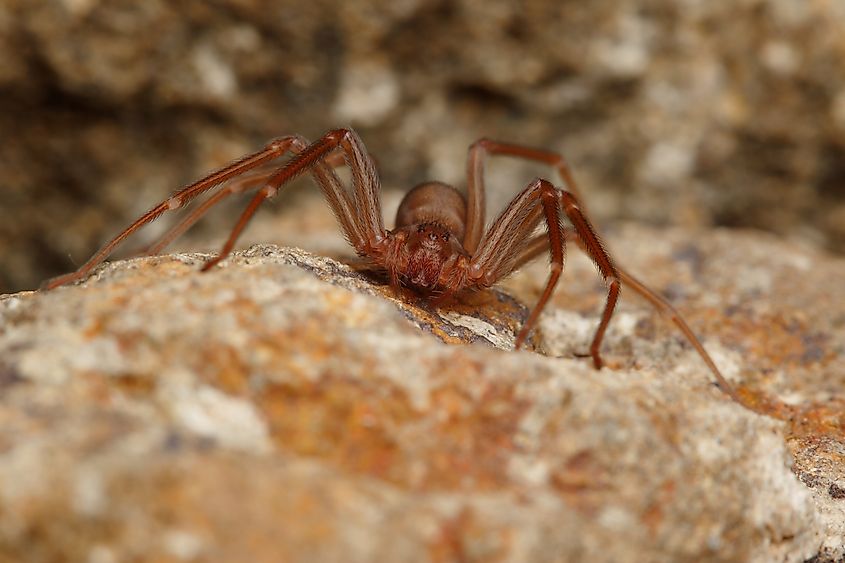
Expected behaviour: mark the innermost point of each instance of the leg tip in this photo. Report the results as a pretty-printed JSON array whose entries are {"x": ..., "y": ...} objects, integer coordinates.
[
  {"x": 53, "y": 283},
  {"x": 598, "y": 363}
]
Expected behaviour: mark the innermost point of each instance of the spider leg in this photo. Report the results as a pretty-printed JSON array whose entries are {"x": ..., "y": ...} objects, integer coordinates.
[
  {"x": 540, "y": 244},
  {"x": 271, "y": 151},
  {"x": 593, "y": 247},
  {"x": 365, "y": 233},
  {"x": 360, "y": 215},
  {"x": 502, "y": 244},
  {"x": 537, "y": 245},
  {"x": 503, "y": 247},
  {"x": 665, "y": 308},
  {"x": 478, "y": 153},
  {"x": 239, "y": 185},
  {"x": 236, "y": 186}
]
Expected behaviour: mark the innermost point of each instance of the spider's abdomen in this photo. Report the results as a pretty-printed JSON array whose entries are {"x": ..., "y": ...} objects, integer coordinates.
[{"x": 434, "y": 202}]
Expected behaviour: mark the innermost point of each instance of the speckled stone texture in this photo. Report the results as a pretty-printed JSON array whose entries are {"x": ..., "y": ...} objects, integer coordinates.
[
  {"x": 673, "y": 112},
  {"x": 287, "y": 407}
]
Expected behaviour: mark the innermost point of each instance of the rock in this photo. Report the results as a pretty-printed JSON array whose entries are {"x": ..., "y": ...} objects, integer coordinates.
[
  {"x": 283, "y": 407},
  {"x": 692, "y": 113}
]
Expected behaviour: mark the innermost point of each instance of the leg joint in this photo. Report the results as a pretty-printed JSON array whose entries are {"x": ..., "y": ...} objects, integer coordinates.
[
  {"x": 338, "y": 135},
  {"x": 282, "y": 144},
  {"x": 269, "y": 191},
  {"x": 548, "y": 192},
  {"x": 481, "y": 144},
  {"x": 569, "y": 201}
]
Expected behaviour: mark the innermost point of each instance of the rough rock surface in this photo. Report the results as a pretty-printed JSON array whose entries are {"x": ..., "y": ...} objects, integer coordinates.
[
  {"x": 688, "y": 112},
  {"x": 283, "y": 407}
]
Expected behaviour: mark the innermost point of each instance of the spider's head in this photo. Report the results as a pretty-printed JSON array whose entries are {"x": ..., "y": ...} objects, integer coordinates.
[{"x": 428, "y": 247}]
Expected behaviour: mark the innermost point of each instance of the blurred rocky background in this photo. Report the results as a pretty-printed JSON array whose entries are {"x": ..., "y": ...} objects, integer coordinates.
[{"x": 680, "y": 112}]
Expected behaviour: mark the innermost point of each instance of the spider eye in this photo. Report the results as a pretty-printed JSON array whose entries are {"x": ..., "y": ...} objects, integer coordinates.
[{"x": 445, "y": 237}]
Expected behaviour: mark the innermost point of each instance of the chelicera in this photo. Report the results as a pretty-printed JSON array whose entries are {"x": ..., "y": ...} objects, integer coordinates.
[{"x": 439, "y": 246}]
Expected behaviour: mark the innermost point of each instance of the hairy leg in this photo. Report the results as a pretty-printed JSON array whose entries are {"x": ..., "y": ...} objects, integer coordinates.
[
  {"x": 359, "y": 213},
  {"x": 365, "y": 229},
  {"x": 592, "y": 246},
  {"x": 540, "y": 245},
  {"x": 248, "y": 182},
  {"x": 271, "y": 151},
  {"x": 503, "y": 242},
  {"x": 239, "y": 185},
  {"x": 476, "y": 190}
]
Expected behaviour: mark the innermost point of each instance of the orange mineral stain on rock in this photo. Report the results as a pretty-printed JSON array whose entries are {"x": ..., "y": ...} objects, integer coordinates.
[
  {"x": 338, "y": 421},
  {"x": 776, "y": 340}
]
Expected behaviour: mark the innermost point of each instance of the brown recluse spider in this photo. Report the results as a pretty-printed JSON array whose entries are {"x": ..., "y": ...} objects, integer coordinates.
[{"x": 439, "y": 246}]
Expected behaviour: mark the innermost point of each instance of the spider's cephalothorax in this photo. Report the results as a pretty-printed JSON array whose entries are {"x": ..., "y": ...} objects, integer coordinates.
[
  {"x": 439, "y": 245},
  {"x": 426, "y": 251}
]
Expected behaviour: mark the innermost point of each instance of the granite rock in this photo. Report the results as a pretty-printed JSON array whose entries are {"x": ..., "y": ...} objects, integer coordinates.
[{"x": 286, "y": 406}]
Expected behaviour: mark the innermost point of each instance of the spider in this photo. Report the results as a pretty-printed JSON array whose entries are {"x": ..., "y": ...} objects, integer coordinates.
[{"x": 439, "y": 246}]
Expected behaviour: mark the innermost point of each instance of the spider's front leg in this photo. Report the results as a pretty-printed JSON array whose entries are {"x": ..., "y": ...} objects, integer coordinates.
[
  {"x": 273, "y": 150},
  {"x": 500, "y": 249},
  {"x": 358, "y": 213},
  {"x": 595, "y": 250},
  {"x": 478, "y": 154}
]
